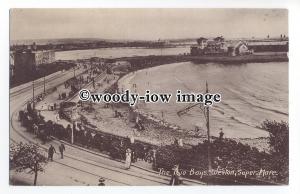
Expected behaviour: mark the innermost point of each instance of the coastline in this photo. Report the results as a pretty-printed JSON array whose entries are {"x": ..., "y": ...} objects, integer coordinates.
[
  {"x": 190, "y": 138},
  {"x": 142, "y": 62},
  {"x": 155, "y": 59}
]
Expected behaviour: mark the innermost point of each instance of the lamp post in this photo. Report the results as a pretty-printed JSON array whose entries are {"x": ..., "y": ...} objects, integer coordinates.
[
  {"x": 33, "y": 105},
  {"x": 72, "y": 132},
  {"x": 208, "y": 134},
  {"x": 44, "y": 83},
  {"x": 74, "y": 71},
  {"x": 72, "y": 136}
]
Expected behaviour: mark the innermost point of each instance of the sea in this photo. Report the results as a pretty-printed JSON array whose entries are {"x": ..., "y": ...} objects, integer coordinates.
[
  {"x": 119, "y": 52},
  {"x": 251, "y": 92}
]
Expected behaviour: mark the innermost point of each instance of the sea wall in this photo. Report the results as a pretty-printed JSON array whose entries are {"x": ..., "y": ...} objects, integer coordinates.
[{"x": 142, "y": 62}]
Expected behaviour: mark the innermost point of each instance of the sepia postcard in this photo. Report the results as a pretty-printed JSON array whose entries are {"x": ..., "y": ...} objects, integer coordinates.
[{"x": 148, "y": 97}]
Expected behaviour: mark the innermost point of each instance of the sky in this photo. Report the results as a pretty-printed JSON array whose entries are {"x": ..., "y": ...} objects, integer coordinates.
[{"x": 146, "y": 24}]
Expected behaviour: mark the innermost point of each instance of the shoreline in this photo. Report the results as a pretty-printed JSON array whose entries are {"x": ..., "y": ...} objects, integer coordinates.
[
  {"x": 189, "y": 139},
  {"x": 164, "y": 59},
  {"x": 154, "y": 61},
  {"x": 116, "y": 47}
]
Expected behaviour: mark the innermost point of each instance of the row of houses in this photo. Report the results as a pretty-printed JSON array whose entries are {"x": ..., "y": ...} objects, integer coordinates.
[
  {"x": 29, "y": 59},
  {"x": 218, "y": 46}
]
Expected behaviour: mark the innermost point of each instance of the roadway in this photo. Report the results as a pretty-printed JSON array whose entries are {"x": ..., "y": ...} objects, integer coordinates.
[{"x": 79, "y": 166}]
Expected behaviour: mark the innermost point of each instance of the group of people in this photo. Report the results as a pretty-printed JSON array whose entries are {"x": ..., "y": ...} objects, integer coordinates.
[
  {"x": 132, "y": 151},
  {"x": 175, "y": 176},
  {"x": 52, "y": 150}
]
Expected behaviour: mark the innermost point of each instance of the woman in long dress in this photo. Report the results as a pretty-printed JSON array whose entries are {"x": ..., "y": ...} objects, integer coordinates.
[
  {"x": 175, "y": 177},
  {"x": 128, "y": 158}
]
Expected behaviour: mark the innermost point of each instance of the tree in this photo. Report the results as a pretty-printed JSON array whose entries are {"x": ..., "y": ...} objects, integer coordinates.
[
  {"x": 279, "y": 143},
  {"x": 279, "y": 136},
  {"x": 25, "y": 156},
  {"x": 166, "y": 157}
]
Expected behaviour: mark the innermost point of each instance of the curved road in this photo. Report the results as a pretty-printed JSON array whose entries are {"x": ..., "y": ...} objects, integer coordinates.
[{"x": 79, "y": 166}]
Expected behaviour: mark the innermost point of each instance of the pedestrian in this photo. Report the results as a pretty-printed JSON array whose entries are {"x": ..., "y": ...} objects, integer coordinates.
[
  {"x": 133, "y": 157},
  {"x": 154, "y": 158},
  {"x": 131, "y": 140},
  {"x": 221, "y": 134},
  {"x": 94, "y": 83},
  {"x": 101, "y": 182},
  {"x": 35, "y": 129},
  {"x": 128, "y": 158},
  {"x": 51, "y": 151},
  {"x": 176, "y": 142},
  {"x": 180, "y": 142},
  {"x": 61, "y": 150},
  {"x": 175, "y": 177}
]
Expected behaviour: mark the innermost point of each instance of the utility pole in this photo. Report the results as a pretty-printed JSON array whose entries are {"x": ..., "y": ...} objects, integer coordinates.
[
  {"x": 44, "y": 85},
  {"x": 208, "y": 134},
  {"x": 33, "y": 106},
  {"x": 72, "y": 135},
  {"x": 72, "y": 131},
  {"x": 74, "y": 71}
]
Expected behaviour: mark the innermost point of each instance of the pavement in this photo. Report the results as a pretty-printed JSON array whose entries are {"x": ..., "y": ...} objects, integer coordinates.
[{"x": 79, "y": 166}]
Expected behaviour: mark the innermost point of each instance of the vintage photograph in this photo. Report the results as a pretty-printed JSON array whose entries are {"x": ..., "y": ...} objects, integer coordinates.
[{"x": 147, "y": 97}]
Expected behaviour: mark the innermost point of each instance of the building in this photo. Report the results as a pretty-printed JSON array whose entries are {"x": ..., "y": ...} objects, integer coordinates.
[
  {"x": 236, "y": 48},
  {"x": 30, "y": 56},
  {"x": 31, "y": 59},
  {"x": 219, "y": 47},
  {"x": 216, "y": 46},
  {"x": 96, "y": 61},
  {"x": 269, "y": 46},
  {"x": 43, "y": 57},
  {"x": 25, "y": 61},
  {"x": 11, "y": 64},
  {"x": 120, "y": 67},
  {"x": 202, "y": 42}
]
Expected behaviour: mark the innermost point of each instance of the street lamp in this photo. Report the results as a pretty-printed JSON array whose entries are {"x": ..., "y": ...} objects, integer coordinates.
[
  {"x": 74, "y": 71},
  {"x": 208, "y": 134},
  {"x": 44, "y": 82},
  {"x": 33, "y": 106}
]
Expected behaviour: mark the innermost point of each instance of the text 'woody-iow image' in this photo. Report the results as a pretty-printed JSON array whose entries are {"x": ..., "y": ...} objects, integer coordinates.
[{"x": 113, "y": 97}]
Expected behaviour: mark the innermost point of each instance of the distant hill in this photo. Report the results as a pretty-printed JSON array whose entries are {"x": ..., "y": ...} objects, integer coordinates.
[
  {"x": 63, "y": 41},
  {"x": 91, "y": 40}
]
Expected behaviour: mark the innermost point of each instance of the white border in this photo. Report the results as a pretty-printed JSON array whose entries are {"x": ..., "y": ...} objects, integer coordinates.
[{"x": 294, "y": 91}]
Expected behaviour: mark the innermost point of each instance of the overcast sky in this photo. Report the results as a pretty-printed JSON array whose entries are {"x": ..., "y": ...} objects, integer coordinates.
[{"x": 146, "y": 24}]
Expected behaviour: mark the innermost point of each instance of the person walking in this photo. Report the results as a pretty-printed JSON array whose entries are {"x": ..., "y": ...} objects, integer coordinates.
[
  {"x": 101, "y": 182},
  {"x": 35, "y": 129},
  {"x": 154, "y": 164},
  {"x": 51, "y": 151},
  {"x": 175, "y": 178},
  {"x": 61, "y": 150},
  {"x": 221, "y": 134},
  {"x": 128, "y": 158}
]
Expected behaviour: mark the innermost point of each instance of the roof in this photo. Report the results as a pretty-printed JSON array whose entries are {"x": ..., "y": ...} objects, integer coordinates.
[
  {"x": 268, "y": 43},
  {"x": 42, "y": 51},
  {"x": 236, "y": 43},
  {"x": 201, "y": 38},
  {"x": 219, "y": 38},
  {"x": 212, "y": 42}
]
